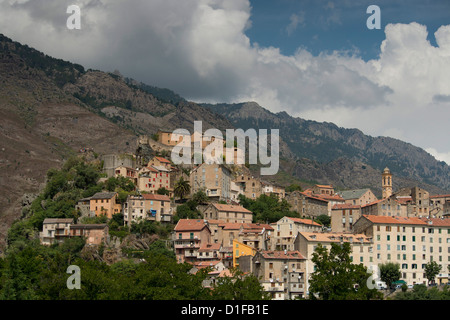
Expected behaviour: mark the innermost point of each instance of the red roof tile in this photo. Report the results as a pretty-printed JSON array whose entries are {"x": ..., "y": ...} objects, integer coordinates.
[
  {"x": 159, "y": 197},
  {"x": 190, "y": 225}
]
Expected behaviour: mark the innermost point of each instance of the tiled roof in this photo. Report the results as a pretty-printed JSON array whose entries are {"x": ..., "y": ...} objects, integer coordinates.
[
  {"x": 159, "y": 197},
  {"x": 438, "y": 222},
  {"x": 230, "y": 208},
  {"x": 394, "y": 220},
  {"x": 161, "y": 159},
  {"x": 103, "y": 195},
  {"x": 335, "y": 237},
  {"x": 289, "y": 255},
  {"x": 440, "y": 196},
  {"x": 305, "y": 221},
  {"x": 190, "y": 225},
  {"x": 210, "y": 247},
  {"x": 58, "y": 220}
]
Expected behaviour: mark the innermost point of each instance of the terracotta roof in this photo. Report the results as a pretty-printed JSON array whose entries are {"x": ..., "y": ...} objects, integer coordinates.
[
  {"x": 290, "y": 255},
  {"x": 305, "y": 221},
  {"x": 230, "y": 225},
  {"x": 159, "y": 197},
  {"x": 230, "y": 208},
  {"x": 161, "y": 159},
  {"x": 335, "y": 237},
  {"x": 445, "y": 222},
  {"x": 440, "y": 196},
  {"x": 210, "y": 247},
  {"x": 309, "y": 195},
  {"x": 190, "y": 225},
  {"x": 394, "y": 220}
]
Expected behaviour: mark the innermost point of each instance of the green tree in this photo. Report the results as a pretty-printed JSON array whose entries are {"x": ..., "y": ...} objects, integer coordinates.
[
  {"x": 163, "y": 191},
  {"x": 200, "y": 197},
  {"x": 337, "y": 278},
  {"x": 432, "y": 269},
  {"x": 389, "y": 273},
  {"x": 293, "y": 187},
  {"x": 324, "y": 220},
  {"x": 239, "y": 287},
  {"x": 182, "y": 188}
]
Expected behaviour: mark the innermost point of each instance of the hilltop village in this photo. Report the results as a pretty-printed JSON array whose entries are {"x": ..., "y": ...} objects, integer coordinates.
[{"x": 408, "y": 226}]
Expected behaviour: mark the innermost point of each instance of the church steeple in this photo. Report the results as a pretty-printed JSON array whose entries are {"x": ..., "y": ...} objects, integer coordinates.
[{"x": 386, "y": 183}]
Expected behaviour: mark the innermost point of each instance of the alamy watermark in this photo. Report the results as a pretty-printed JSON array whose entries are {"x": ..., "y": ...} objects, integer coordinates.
[
  {"x": 211, "y": 147},
  {"x": 74, "y": 281}
]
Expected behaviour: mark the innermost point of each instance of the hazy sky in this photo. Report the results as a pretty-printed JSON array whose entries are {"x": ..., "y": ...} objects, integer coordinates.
[{"x": 313, "y": 59}]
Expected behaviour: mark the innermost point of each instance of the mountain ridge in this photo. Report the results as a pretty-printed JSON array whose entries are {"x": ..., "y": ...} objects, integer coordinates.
[{"x": 51, "y": 108}]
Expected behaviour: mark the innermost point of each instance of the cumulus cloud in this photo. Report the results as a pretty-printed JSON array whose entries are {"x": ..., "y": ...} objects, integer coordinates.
[{"x": 199, "y": 49}]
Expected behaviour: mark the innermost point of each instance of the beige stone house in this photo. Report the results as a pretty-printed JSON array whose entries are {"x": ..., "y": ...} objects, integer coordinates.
[
  {"x": 358, "y": 196},
  {"x": 228, "y": 213},
  {"x": 214, "y": 179},
  {"x": 343, "y": 216},
  {"x": 306, "y": 204},
  {"x": 147, "y": 206},
  {"x": 287, "y": 228},
  {"x": 251, "y": 186},
  {"x": 55, "y": 230},
  {"x": 281, "y": 273},
  {"x": 94, "y": 233},
  {"x": 362, "y": 251}
]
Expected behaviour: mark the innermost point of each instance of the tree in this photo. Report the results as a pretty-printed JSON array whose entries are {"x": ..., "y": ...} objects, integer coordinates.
[
  {"x": 324, "y": 220},
  {"x": 432, "y": 269},
  {"x": 293, "y": 187},
  {"x": 337, "y": 278},
  {"x": 182, "y": 188},
  {"x": 389, "y": 273},
  {"x": 200, "y": 197},
  {"x": 163, "y": 191},
  {"x": 239, "y": 287}
]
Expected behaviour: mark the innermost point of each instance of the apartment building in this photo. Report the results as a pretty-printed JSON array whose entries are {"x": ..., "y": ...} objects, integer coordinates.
[
  {"x": 362, "y": 251},
  {"x": 343, "y": 216},
  {"x": 287, "y": 228},
  {"x": 281, "y": 273},
  {"x": 228, "y": 213},
  {"x": 148, "y": 206},
  {"x": 94, "y": 233},
  {"x": 188, "y": 237},
  {"x": 269, "y": 188},
  {"x": 105, "y": 203},
  {"x": 358, "y": 196},
  {"x": 411, "y": 242},
  {"x": 390, "y": 207},
  {"x": 214, "y": 179},
  {"x": 152, "y": 178},
  {"x": 251, "y": 186},
  {"x": 240, "y": 250},
  {"x": 307, "y": 205},
  {"x": 55, "y": 230},
  {"x": 439, "y": 205}
]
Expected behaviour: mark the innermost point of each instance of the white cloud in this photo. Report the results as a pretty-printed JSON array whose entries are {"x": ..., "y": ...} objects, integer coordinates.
[
  {"x": 199, "y": 49},
  {"x": 295, "y": 20}
]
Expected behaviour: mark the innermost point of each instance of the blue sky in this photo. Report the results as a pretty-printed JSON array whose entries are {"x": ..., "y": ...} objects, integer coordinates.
[{"x": 324, "y": 26}]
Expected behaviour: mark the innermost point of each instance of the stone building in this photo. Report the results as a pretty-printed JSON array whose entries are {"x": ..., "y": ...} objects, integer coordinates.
[{"x": 307, "y": 205}]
